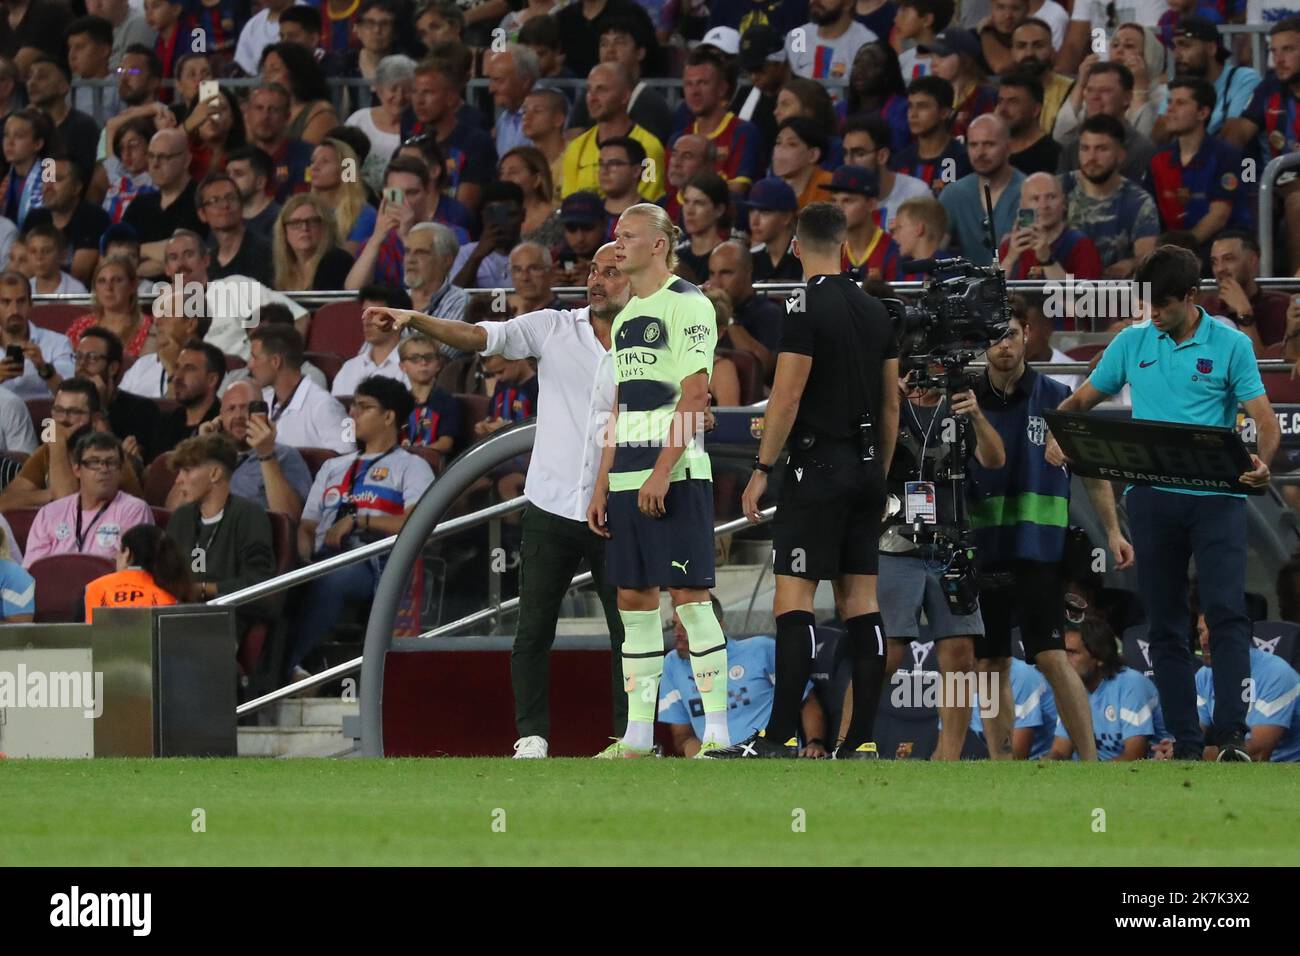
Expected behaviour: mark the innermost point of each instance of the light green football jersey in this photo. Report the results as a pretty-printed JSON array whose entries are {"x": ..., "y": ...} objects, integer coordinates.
[{"x": 659, "y": 341}]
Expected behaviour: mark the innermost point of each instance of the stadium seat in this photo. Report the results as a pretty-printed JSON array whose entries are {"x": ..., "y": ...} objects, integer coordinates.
[
  {"x": 57, "y": 316},
  {"x": 1275, "y": 351},
  {"x": 234, "y": 362},
  {"x": 1282, "y": 389},
  {"x": 1256, "y": 606},
  {"x": 315, "y": 457},
  {"x": 328, "y": 363},
  {"x": 20, "y": 522},
  {"x": 748, "y": 370},
  {"x": 336, "y": 328},
  {"x": 284, "y": 541},
  {"x": 1280, "y": 638},
  {"x": 473, "y": 409},
  {"x": 39, "y": 410},
  {"x": 457, "y": 377},
  {"x": 61, "y": 581},
  {"x": 434, "y": 458},
  {"x": 161, "y": 517},
  {"x": 1136, "y": 653},
  {"x": 158, "y": 481},
  {"x": 1085, "y": 353}
]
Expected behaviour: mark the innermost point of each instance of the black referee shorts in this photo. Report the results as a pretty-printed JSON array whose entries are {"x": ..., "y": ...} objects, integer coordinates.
[
  {"x": 828, "y": 516},
  {"x": 1032, "y": 595},
  {"x": 675, "y": 551}
]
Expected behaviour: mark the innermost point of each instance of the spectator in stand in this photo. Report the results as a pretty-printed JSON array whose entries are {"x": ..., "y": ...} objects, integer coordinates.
[
  {"x": 200, "y": 367},
  {"x": 28, "y": 137},
  {"x": 954, "y": 56},
  {"x": 174, "y": 27},
  {"x": 48, "y": 475},
  {"x": 1032, "y": 55},
  {"x": 235, "y": 250},
  {"x": 266, "y": 118},
  {"x": 621, "y": 44},
  {"x": 46, "y": 354},
  {"x": 139, "y": 79},
  {"x": 803, "y": 97},
  {"x": 866, "y": 144},
  {"x": 115, "y": 306},
  {"x": 875, "y": 87},
  {"x": 156, "y": 216},
  {"x": 724, "y": 383},
  {"x": 609, "y": 90},
  {"x": 218, "y": 130},
  {"x": 81, "y": 222},
  {"x": 755, "y": 320},
  {"x": 17, "y": 587},
  {"x": 1116, "y": 213},
  {"x": 430, "y": 251},
  {"x": 252, "y": 170},
  {"x": 435, "y": 420},
  {"x": 824, "y": 48},
  {"x": 531, "y": 271},
  {"x": 357, "y": 497},
  {"x": 345, "y": 196},
  {"x": 99, "y": 360},
  {"x": 446, "y": 210},
  {"x": 378, "y": 355},
  {"x": 150, "y": 573},
  {"x": 302, "y": 25},
  {"x": 471, "y": 156},
  {"x": 380, "y": 259},
  {"x": 583, "y": 216},
  {"x": 382, "y": 123},
  {"x": 267, "y": 473},
  {"x": 1234, "y": 260},
  {"x": 1196, "y": 179},
  {"x": 1020, "y": 103},
  {"x": 764, "y": 62},
  {"x": 935, "y": 156},
  {"x": 796, "y": 157},
  {"x": 129, "y": 27},
  {"x": 92, "y": 519},
  {"x": 989, "y": 144},
  {"x": 1270, "y": 125},
  {"x": 869, "y": 252},
  {"x": 622, "y": 164},
  {"x": 192, "y": 70},
  {"x": 90, "y": 46},
  {"x": 581, "y": 25},
  {"x": 772, "y": 207},
  {"x": 526, "y": 167},
  {"x": 150, "y": 376},
  {"x": 918, "y": 228},
  {"x": 919, "y": 21},
  {"x": 232, "y": 533},
  {"x": 512, "y": 393},
  {"x": 1107, "y": 89},
  {"x": 1038, "y": 338},
  {"x": 707, "y": 84},
  {"x": 690, "y": 154},
  {"x": 258, "y": 33},
  {"x": 995, "y": 35},
  {"x": 304, "y": 413},
  {"x": 544, "y": 117},
  {"x": 383, "y": 30},
  {"x": 1049, "y": 248},
  {"x": 1199, "y": 52},
  {"x": 126, "y": 167},
  {"x": 48, "y": 86},
  {"x": 541, "y": 36},
  {"x": 704, "y": 213},
  {"x": 439, "y": 21},
  {"x": 511, "y": 74},
  {"x": 305, "y": 252},
  {"x": 485, "y": 264},
  {"x": 47, "y": 248},
  {"x": 311, "y": 114}
]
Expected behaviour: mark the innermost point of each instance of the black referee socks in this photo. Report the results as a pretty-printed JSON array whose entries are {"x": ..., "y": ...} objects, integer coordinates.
[
  {"x": 866, "y": 650},
  {"x": 796, "y": 645}
]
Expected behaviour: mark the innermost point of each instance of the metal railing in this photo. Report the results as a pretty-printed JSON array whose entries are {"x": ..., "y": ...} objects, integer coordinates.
[{"x": 1267, "y": 191}]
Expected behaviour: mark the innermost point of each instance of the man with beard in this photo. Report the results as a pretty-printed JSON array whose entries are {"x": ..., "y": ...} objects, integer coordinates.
[
  {"x": 199, "y": 371},
  {"x": 996, "y": 35},
  {"x": 1032, "y": 54},
  {"x": 1198, "y": 51},
  {"x": 575, "y": 371},
  {"x": 1020, "y": 103},
  {"x": 1104, "y": 88},
  {"x": 1117, "y": 214},
  {"x": 989, "y": 143},
  {"x": 707, "y": 84},
  {"x": 824, "y": 48}
]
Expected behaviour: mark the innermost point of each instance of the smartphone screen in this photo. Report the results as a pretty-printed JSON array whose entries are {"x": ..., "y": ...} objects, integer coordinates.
[
  {"x": 1025, "y": 218},
  {"x": 14, "y": 353},
  {"x": 258, "y": 408},
  {"x": 393, "y": 196},
  {"x": 209, "y": 90}
]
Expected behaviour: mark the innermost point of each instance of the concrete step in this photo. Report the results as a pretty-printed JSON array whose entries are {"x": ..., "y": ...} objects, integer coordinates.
[
  {"x": 327, "y": 712},
  {"x": 292, "y": 742}
]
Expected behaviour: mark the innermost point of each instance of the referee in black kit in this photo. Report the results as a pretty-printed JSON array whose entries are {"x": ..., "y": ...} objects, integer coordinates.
[{"x": 835, "y": 397}]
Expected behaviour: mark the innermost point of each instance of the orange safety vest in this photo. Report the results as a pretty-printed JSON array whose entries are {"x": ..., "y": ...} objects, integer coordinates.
[{"x": 129, "y": 588}]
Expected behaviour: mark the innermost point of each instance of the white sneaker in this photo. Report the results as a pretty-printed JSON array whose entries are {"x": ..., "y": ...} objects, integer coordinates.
[{"x": 530, "y": 748}]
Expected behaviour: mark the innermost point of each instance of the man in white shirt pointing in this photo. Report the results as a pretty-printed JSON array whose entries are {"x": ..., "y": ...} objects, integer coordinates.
[{"x": 576, "y": 387}]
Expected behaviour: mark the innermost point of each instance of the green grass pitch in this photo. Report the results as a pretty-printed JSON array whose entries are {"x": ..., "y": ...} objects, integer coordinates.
[{"x": 656, "y": 812}]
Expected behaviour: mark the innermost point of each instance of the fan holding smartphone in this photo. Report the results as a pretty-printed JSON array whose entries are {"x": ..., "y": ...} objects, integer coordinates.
[{"x": 1042, "y": 245}]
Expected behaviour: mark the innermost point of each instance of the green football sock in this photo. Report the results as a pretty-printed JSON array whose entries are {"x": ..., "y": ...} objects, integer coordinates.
[
  {"x": 643, "y": 663},
  {"x": 708, "y": 654}
]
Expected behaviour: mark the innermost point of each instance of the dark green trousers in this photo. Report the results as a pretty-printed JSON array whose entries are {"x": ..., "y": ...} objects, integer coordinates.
[{"x": 552, "y": 549}]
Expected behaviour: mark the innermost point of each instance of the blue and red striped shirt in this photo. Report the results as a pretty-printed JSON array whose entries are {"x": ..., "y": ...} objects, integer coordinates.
[
  {"x": 1273, "y": 110},
  {"x": 880, "y": 261},
  {"x": 1075, "y": 252},
  {"x": 930, "y": 170},
  {"x": 220, "y": 24},
  {"x": 1184, "y": 193},
  {"x": 740, "y": 149}
]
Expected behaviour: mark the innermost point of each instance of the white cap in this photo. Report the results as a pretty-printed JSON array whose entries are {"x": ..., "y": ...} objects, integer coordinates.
[{"x": 724, "y": 38}]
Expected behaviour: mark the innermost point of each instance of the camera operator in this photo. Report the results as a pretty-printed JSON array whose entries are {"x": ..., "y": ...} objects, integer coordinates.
[
  {"x": 1019, "y": 514},
  {"x": 834, "y": 398},
  {"x": 933, "y": 444}
]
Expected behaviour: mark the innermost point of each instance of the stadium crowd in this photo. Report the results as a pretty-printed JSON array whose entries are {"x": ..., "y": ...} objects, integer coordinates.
[{"x": 130, "y": 160}]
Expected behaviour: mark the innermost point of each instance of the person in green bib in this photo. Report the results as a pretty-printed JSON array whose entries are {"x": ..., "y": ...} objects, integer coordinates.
[{"x": 653, "y": 498}]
